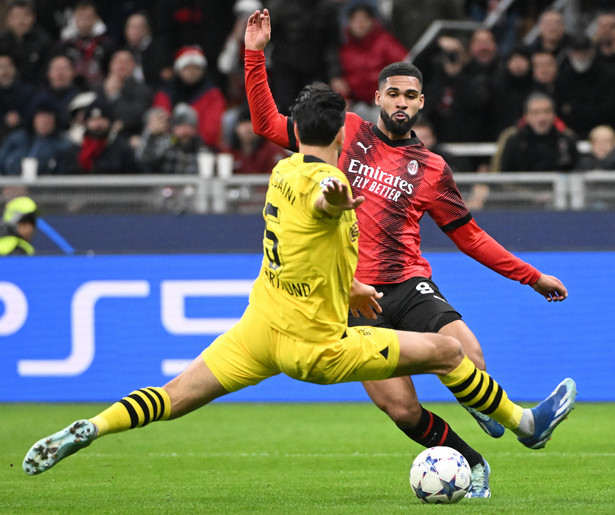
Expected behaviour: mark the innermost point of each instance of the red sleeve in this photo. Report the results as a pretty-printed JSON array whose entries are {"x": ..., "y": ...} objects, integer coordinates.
[
  {"x": 477, "y": 244},
  {"x": 266, "y": 119}
]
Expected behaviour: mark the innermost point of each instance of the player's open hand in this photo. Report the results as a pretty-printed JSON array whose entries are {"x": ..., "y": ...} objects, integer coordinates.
[
  {"x": 258, "y": 30},
  {"x": 364, "y": 300},
  {"x": 338, "y": 198},
  {"x": 551, "y": 288}
]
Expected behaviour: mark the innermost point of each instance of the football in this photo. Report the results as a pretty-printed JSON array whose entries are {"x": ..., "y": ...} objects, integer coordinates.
[{"x": 440, "y": 475}]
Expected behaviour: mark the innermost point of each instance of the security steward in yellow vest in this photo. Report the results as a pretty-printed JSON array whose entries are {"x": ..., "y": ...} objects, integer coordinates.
[{"x": 19, "y": 224}]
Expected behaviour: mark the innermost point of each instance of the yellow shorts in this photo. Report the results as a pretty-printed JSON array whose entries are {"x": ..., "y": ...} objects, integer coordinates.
[{"x": 252, "y": 351}]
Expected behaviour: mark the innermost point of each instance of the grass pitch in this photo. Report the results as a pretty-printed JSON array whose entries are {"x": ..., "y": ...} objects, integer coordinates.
[{"x": 294, "y": 458}]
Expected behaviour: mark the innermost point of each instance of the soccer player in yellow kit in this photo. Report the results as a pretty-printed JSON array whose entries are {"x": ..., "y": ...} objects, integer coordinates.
[{"x": 296, "y": 321}]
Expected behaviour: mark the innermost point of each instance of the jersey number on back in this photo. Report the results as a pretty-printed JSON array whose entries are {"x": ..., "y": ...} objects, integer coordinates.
[{"x": 271, "y": 240}]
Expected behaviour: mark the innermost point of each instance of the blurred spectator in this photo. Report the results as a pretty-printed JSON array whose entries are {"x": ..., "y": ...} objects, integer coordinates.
[
  {"x": 444, "y": 89},
  {"x": 366, "y": 48},
  {"x": 230, "y": 60},
  {"x": 193, "y": 86},
  {"x": 512, "y": 86},
  {"x": 115, "y": 14},
  {"x": 530, "y": 11},
  {"x": 305, "y": 48},
  {"x": 585, "y": 88},
  {"x": 76, "y": 111},
  {"x": 60, "y": 88},
  {"x": 480, "y": 73},
  {"x": 151, "y": 66},
  {"x": 39, "y": 139},
  {"x": 539, "y": 145},
  {"x": 18, "y": 226},
  {"x": 409, "y": 20},
  {"x": 54, "y": 15},
  {"x": 102, "y": 151},
  {"x": 552, "y": 36},
  {"x": 505, "y": 30},
  {"x": 431, "y": 59},
  {"x": 204, "y": 23},
  {"x": 174, "y": 149},
  {"x": 25, "y": 42},
  {"x": 483, "y": 50},
  {"x": 129, "y": 99},
  {"x": 3, "y": 10},
  {"x": 89, "y": 49},
  {"x": 604, "y": 38},
  {"x": 458, "y": 97},
  {"x": 425, "y": 132},
  {"x": 252, "y": 153},
  {"x": 602, "y": 155},
  {"x": 15, "y": 96},
  {"x": 544, "y": 73}
]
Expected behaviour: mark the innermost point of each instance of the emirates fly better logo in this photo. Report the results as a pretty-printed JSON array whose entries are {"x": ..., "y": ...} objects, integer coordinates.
[{"x": 385, "y": 184}]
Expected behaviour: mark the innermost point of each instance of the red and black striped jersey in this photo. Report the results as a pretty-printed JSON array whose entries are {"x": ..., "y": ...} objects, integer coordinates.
[{"x": 401, "y": 181}]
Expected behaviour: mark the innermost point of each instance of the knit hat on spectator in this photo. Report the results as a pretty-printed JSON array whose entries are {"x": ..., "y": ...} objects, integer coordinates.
[
  {"x": 184, "y": 114},
  {"x": 44, "y": 104},
  {"x": 187, "y": 55},
  {"x": 98, "y": 109}
]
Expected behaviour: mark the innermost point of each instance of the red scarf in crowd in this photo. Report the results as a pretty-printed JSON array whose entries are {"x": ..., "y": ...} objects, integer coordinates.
[{"x": 91, "y": 150}]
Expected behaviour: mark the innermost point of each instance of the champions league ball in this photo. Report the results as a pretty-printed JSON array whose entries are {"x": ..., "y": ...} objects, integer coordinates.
[{"x": 440, "y": 475}]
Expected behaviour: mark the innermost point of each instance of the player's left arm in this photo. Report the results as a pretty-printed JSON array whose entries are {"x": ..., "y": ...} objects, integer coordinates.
[
  {"x": 476, "y": 243},
  {"x": 454, "y": 218}
]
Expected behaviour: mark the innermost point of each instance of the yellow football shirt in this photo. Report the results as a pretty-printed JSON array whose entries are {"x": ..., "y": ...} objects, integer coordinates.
[{"x": 309, "y": 258}]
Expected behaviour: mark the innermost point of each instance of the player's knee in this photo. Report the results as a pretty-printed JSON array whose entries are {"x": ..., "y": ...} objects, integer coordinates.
[
  {"x": 478, "y": 359},
  {"x": 404, "y": 410},
  {"x": 451, "y": 350},
  {"x": 404, "y": 415}
]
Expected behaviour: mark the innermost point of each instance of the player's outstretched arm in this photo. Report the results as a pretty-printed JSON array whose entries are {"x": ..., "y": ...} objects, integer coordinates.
[
  {"x": 336, "y": 198},
  {"x": 258, "y": 30},
  {"x": 266, "y": 120},
  {"x": 364, "y": 300},
  {"x": 551, "y": 288}
]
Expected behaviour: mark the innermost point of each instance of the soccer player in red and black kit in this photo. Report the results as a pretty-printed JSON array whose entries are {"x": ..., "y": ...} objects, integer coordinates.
[{"x": 401, "y": 180}]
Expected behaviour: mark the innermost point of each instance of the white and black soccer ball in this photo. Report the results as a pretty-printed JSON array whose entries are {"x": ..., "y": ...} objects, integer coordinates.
[{"x": 440, "y": 475}]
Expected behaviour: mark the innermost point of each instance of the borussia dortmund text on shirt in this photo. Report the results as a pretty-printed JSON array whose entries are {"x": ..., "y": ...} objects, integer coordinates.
[{"x": 294, "y": 289}]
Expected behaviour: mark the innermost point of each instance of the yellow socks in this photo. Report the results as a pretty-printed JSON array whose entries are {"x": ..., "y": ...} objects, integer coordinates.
[
  {"x": 136, "y": 410},
  {"x": 478, "y": 390}
]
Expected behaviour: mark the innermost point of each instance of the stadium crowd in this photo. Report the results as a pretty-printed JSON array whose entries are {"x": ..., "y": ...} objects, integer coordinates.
[{"x": 144, "y": 86}]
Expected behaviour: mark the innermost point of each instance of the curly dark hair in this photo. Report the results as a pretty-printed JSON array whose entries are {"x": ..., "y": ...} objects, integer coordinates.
[{"x": 401, "y": 68}]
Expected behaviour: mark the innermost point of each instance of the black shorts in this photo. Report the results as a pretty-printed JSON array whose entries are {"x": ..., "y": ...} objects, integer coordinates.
[{"x": 414, "y": 305}]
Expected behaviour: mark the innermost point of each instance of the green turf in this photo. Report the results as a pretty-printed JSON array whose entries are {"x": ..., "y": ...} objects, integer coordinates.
[{"x": 294, "y": 458}]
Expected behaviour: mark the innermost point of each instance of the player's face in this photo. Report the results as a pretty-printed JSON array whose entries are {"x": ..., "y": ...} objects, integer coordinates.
[{"x": 400, "y": 100}]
